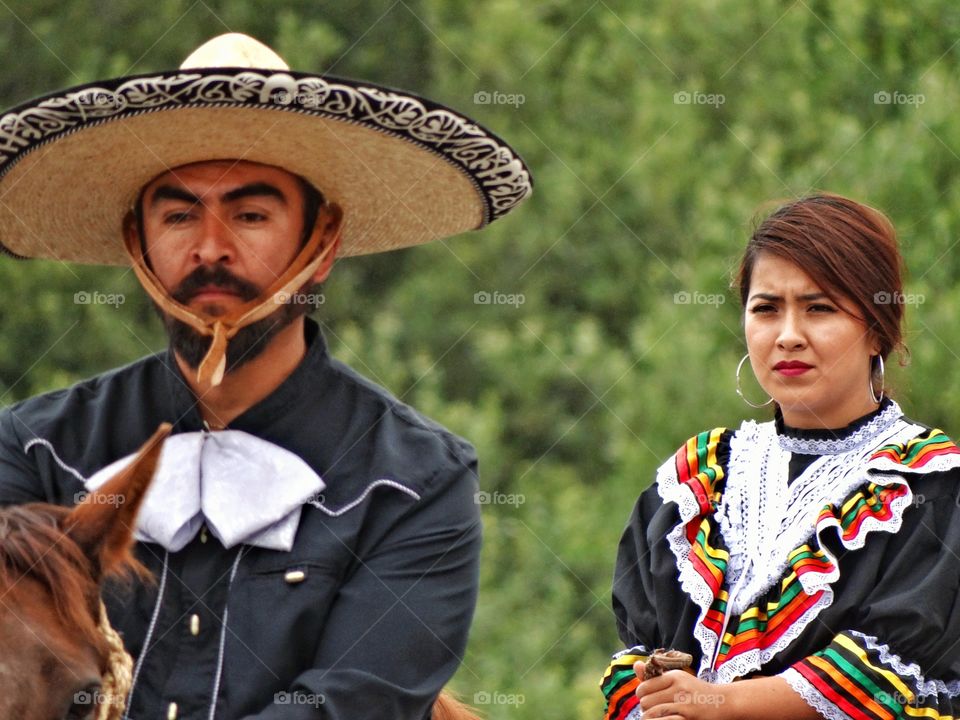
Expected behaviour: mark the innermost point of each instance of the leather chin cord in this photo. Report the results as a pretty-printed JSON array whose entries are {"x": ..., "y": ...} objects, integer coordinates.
[{"x": 223, "y": 327}]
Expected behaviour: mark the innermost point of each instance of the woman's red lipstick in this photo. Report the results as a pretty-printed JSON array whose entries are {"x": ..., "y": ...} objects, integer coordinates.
[{"x": 791, "y": 367}]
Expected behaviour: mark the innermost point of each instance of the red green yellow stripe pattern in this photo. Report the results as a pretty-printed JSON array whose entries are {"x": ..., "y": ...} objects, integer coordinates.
[
  {"x": 619, "y": 684},
  {"x": 761, "y": 627},
  {"x": 699, "y": 469},
  {"x": 918, "y": 451},
  {"x": 850, "y": 675},
  {"x": 870, "y": 502}
]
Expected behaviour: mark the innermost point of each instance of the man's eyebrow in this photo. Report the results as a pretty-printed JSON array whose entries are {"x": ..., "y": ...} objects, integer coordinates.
[
  {"x": 257, "y": 189},
  {"x": 169, "y": 192}
]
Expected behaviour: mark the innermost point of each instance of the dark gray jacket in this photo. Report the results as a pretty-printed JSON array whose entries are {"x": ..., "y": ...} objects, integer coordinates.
[{"x": 365, "y": 618}]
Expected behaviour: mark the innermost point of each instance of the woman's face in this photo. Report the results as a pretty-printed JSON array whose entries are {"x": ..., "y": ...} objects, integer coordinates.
[{"x": 811, "y": 354}]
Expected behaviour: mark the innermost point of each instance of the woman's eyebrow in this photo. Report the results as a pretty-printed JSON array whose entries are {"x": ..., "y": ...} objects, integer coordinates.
[{"x": 806, "y": 297}]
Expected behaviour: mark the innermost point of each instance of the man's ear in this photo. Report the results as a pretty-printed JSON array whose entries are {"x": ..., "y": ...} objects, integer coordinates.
[
  {"x": 102, "y": 525},
  {"x": 329, "y": 224},
  {"x": 130, "y": 229}
]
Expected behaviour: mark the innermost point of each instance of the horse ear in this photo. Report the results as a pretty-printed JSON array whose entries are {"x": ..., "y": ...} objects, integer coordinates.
[{"x": 102, "y": 525}]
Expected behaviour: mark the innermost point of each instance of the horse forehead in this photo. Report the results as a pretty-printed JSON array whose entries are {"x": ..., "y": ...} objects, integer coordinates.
[{"x": 32, "y": 632}]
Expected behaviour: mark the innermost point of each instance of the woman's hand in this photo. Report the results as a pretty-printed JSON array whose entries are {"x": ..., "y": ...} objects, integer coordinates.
[{"x": 678, "y": 694}]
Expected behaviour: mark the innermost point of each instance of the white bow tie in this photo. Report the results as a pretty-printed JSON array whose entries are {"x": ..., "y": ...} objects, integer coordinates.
[{"x": 245, "y": 489}]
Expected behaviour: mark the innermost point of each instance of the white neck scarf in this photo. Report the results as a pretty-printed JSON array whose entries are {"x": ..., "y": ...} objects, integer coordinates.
[{"x": 245, "y": 489}]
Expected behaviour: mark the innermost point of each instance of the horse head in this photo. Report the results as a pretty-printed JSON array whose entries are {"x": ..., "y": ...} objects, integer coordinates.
[{"x": 54, "y": 650}]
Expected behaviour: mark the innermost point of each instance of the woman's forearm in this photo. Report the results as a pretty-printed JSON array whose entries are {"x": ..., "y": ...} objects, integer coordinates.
[{"x": 766, "y": 697}]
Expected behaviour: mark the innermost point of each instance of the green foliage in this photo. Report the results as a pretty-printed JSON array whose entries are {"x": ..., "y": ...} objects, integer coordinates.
[{"x": 656, "y": 133}]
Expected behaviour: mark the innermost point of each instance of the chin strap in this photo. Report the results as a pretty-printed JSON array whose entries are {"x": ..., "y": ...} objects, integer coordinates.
[{"x": 223, "y": 327}]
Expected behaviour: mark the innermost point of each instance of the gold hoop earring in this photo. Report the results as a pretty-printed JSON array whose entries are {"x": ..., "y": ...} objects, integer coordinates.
[{"x": 740, "y": 391}]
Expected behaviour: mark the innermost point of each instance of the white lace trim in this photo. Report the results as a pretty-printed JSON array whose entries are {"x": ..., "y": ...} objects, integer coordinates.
[
  {"x": 763, "y": 522},
  {"x": 763, "y": 519},
  {"x": 813, "y": 698},
  {"x": 887, "y": 657},
  {"x": 670, "y": 489},
  {"x": 752, "y": 660},
  {"x": 862, "y": 435}
]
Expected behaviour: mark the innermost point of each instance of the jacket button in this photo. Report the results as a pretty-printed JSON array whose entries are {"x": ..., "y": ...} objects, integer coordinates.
[
  {"x": 294, "y": 576},
  {"x": 172, "y": 711},
  {"x": 194, "y": 624}
]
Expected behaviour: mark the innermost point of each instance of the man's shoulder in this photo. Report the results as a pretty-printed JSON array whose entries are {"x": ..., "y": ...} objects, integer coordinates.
[
  {"x": 385, "y": 419},
  {"x": 89, "y": 390},
  {"x": 103, "y": 403},
  {"x": 71, "y": 432}
]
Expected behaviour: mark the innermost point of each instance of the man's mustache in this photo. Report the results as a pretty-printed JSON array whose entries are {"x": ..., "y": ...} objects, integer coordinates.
[{"x": 213, "y": 276}]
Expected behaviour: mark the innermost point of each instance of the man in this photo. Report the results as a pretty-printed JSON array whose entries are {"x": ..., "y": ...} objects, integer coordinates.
[{"x": 314, "y": 541}]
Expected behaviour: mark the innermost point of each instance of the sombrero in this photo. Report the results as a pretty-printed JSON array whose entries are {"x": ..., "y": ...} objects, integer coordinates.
[{"x": 404, "y": 170}]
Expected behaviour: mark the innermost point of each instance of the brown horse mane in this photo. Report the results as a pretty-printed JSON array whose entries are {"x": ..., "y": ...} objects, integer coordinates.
[{"x": 34, "y": 545}]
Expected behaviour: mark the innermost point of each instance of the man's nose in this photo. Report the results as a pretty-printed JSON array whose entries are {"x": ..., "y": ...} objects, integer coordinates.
[{"x": 215, "y": 241}]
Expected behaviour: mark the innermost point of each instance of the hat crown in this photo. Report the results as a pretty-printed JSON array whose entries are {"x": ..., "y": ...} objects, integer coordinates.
[{"x": 234, "y": 50}]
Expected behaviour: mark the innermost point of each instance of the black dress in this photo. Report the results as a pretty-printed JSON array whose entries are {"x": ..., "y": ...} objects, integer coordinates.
[{"x": 830, "y": 558}]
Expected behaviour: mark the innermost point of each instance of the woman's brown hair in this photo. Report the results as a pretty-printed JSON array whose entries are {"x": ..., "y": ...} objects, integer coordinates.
[{"x": 850, "y": 250}]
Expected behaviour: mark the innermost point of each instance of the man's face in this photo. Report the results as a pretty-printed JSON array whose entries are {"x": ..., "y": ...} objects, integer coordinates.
[
  {"x": 216, "y": 234},
  {"x": 244, "y": 217}
]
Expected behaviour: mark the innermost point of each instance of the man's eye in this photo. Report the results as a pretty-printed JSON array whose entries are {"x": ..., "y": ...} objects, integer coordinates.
[
  {"x": 176, "y": 218},
  {"x": 251, "y": 217}
]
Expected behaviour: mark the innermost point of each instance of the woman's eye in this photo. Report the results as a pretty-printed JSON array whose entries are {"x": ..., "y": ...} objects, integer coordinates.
[
  {"x": 822, "y": 308},
  {"x": 760, "y": 309}
]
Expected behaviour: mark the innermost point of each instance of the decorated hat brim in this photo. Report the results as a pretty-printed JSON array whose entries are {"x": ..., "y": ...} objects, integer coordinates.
[{"x": 405, "y": 170}]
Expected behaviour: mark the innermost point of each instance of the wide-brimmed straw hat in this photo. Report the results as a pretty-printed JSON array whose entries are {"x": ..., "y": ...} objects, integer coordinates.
[{"x": 405, "y": 170}]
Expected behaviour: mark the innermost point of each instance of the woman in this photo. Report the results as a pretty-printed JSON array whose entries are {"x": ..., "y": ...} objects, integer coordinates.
[{"x": 815, "y": 559}]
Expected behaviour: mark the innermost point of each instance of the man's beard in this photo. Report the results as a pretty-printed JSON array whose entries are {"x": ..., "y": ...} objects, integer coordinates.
[{"x": 249, "y": 342}]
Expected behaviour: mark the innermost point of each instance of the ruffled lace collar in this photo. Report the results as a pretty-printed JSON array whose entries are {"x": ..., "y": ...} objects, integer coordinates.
[{"x": 842, "y": 440}]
